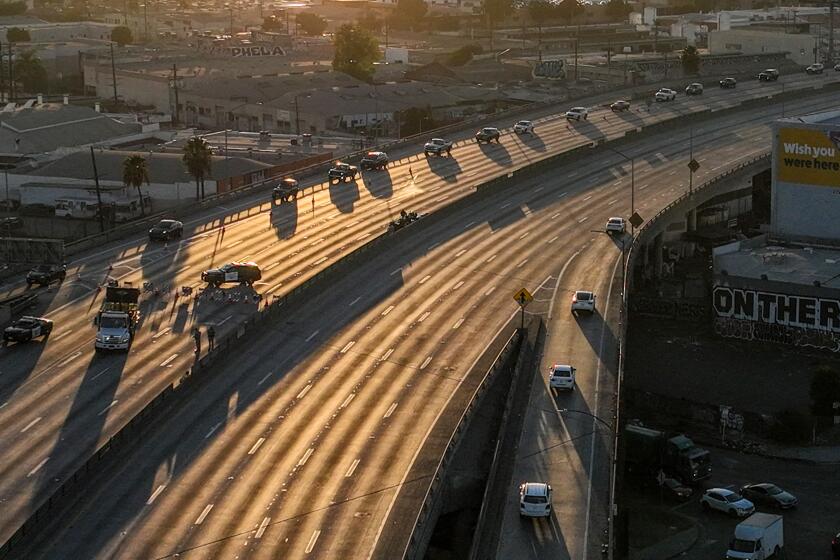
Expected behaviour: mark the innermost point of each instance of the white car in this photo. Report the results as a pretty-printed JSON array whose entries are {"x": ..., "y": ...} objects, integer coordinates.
[
  {"x": 534, "y": 499},
  {"x": 524, "y": 127},
  {"x": 615, "y": 225},
  {"x": 816, "y": 68},
  {"x": 561, "y": 376},
  {"x": 577, "y": 113},
  {"x": 727, "y": 501},
  {"x": 665, "y": 94},
  {"x": 583, "y": 301}
]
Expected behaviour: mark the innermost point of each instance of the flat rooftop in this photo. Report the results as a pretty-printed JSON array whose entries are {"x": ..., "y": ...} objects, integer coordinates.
[
  {"x": 824, "y": 117},
  {"x": 791, "y": 263}
]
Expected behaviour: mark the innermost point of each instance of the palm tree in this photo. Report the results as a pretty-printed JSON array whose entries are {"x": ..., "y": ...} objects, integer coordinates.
[
  {"x": 197, "y": 158},
  {"x": 135, "y": 173}
]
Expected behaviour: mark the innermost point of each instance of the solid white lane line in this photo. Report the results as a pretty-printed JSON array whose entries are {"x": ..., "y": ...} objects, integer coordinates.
[
  {"x": 25, "y": 428},
  {"x": 583, "y": 219},
  {"x": 70, "y": 359},
  {"x": 425, "y": 362},
  {"x": 520, "y": 265},
  {"x": 459, "y": 323},
  {"x": 212, "y": 430},
  {"x": 107, "y": 408},
  {"x": 312, "y": 541},
  {"x": 305, "y": 457},
  {"x": 155, "y": 494},
  {"x": 204, "y": 514},
  {"x": 387, "y": 354},
  {"x": 352, "y": 468},
  {"x": 347, "y": 347},
  {"x": 168, "y": 360},
  {"x": 37, "y": 467},
  {"x": 490, "y": 291},
  {"x": 311, "y": 336},
  {"x": 553, "y": 239},
  {"x": 395, "y": 271},
  {"x": 524, "y": 235},
  {"x": 390, "y": 410},
  {"x": 458, "y": 285},
  {"x": 491, "y": 258},
  {"x": 304, "y": 391},
  {"x": 264, "y": 379},
  {"x": 459, "y": 253},
  {"x": 160, "y": 333},
  {"x": 423, "y": 281},
  {"x": 256, "y": 446},
  {"x": 262, "y": 527},
  {"x": 387, "y": 310},
  {"x": 423, "y": 316},
  {"x": 355, "y": 301},
  {"x": 349, "y": 398}
]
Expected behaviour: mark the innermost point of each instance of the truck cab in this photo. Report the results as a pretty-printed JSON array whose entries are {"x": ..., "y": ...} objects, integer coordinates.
[
  {"x": 117, "y": 318},
  {"x": 758, "y": 537}
]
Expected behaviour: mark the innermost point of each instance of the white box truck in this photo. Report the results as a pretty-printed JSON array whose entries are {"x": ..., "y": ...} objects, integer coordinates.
[{"x": 759, "y": 536}]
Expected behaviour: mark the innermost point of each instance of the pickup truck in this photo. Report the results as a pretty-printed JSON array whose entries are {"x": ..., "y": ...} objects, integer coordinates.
[
  {"x": 438, "y": 147},
  {"x": 343, "y": 172}
]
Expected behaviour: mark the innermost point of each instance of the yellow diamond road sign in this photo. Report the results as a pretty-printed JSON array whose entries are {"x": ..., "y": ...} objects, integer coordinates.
[{"x": 523, "y": 297}]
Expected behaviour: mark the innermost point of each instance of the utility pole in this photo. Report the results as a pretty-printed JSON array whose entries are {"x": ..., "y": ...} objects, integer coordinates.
[
  {"x": 576, "y": 58},
  {"x": 11, "y": 74},
  {"x": 690, "y": 159},
  {"x": 98, "y": 194},
  {"x": 831, "y": 31},
  {"x": 2, "y": 74},
  {"x": 145, "y": 21},
  {"x": 175, "y": 85},
  {"x": 297, "y": 116},
  {"x": 114, "y": 74}
]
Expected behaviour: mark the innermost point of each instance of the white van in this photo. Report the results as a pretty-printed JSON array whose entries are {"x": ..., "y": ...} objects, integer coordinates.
[
  {"x": 70, "y": 207},
  {"x": 758, "y": 537}
]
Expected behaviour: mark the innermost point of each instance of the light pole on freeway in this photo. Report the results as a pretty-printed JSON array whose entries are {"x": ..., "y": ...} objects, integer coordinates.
[{"x": 632, "y": 161}]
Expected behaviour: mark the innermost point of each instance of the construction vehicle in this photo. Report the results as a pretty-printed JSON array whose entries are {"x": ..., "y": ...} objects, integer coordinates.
[
  {"x": 659, "y": 453},
  {"x": 117, "y": 318}
]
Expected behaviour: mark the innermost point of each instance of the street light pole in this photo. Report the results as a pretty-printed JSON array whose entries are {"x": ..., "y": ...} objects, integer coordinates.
[
  {"x": 690, "y": 159},
  {"x": 297, "y": 115},
  {"x": 632, "y": 161}
]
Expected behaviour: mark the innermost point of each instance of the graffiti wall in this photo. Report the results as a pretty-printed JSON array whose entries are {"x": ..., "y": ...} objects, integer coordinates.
[
  {"x": 655, "y": 306},
  {"x": 779, "y": 334},
  {"x": 551, "y": 69}
]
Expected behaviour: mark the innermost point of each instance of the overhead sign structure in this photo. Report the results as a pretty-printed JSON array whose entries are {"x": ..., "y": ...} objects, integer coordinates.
[{"x": 523, "y": 297}]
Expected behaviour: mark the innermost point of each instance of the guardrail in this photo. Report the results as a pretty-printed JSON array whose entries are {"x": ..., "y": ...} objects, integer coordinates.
[{"x": 627, "y": 286}]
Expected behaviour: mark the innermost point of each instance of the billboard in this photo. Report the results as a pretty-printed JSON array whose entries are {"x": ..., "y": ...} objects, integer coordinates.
[{"x": 808, "y": 157}]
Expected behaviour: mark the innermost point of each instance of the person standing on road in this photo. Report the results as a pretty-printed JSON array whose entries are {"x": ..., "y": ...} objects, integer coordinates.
[
  {"x": 410, "y": 172},
  {"x": 211, "y": 337},
  {"x": 197, "y": 337}
]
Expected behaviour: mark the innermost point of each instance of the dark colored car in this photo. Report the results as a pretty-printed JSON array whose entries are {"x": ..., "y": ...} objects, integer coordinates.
[
  {"x": 728, "y": 83},
  {"x": 46, "y": 274},
  {"x": 343, "y": 172},
  {"x": 165, "y": 230},
  {"x": 243, "y": 272},
  {"x": 769, "y": 75},
  {"x": 374, "y": 160},
  {"x": 10, "y": 223},
  {"x": 488, "y": 134},
  {"x": 835, "y": 545},
  {"x": 27, "y": 328},
  {"x": 286, "y": 190},
  {"x": 769, "y": 494}
]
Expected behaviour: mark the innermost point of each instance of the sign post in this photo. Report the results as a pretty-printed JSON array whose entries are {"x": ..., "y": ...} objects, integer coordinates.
[{"x": 522, "y": 297}]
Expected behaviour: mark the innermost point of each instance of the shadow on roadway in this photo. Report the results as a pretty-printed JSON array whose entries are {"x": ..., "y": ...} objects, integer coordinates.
[
  {"x": 284, "y": 218},
  {"x": 378, "y": 183},
  {"x": 532, "y": 141},
  {"x": 496, "y": 152},
  {"x": 447, "y": 168},
  {"x": 545, "y": 537},
  {"x": 344, "y": 195}
]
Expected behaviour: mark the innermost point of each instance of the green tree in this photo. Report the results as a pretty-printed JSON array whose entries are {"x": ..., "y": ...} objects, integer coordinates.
[
  {"x": 617, "y": 10},
  {"x": 496, "y": 11},
  {"x": 690, "y": 59},
  {"x": 17, "y": 35},
  {"x": 30, "y": 72},
  {"x": 463, "y": 55},
  {"x": 12, "y": 8},
  {"x": 198, "y": 159},
  {"x": 409, "y": 14},
  {"x": 273, "y": 23},
  {"x": 371, "y": 23},
  {"x": 122, "y": 35},
  {"x": 569, "y": 10},
  {"x": 135, "y": 174},
  {"x": 355, "y": 52},
  {"x": 311, "y": 24},
  {"x": 825, "y": 391},
  {"x": 541, "y": 11}
]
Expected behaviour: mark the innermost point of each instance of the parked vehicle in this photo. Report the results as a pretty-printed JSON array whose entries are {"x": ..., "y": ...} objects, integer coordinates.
[
  {"x": 342, "y": 172},
  {"x": 243, "y": 272},
  {"x": 619, "y": 106},
  {"x": 165, "y": 230},
  {"x": 769, "y": 494},
  {"x": 562, "y": 376},
  {"x": 27, "y": 328},
  {"x": 583, "y": 300},
  {"x": 768, "y": 75},
  {"x": 438, "y": 147},
  {"x": 615, "y": 225},
  {"x": 10, "y": 223},
  {"x": 728, "y": 83},
  {"x": 71, "y": 207},
  {"x": 286, "y": 190},
  {"x": 374, "y": 160},
  {"x": 676, "y": 489},
  {"x": 760, "y": 536},
  {"x": 524, "y": 127},
  {"x": 665, "y": 94},
  {"x": 117, "y": 318},
  {"x": 46, "y": 274},
  {"x": 488, "y": 134},
  {"x": 816, "y": 68},
  {"x": 695, "y": 88},
  {"x": 577, "y": 113},
  {"x": 534, "y": 499},
  {"x": 727, "y": 501},
  {"x": 651, "y": 451}
]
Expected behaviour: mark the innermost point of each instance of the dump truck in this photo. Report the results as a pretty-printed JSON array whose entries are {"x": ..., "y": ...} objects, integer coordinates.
[
  {"x": 654, "y": 452},
  {"x": 117, "y": 318}
]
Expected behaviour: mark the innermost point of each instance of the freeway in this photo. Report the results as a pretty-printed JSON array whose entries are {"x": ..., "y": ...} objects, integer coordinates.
[{"x": 301, "y": 445}]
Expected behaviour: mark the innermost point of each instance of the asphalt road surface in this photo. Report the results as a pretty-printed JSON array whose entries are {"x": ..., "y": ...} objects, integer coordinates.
[{"x": 304, "y": 441}]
